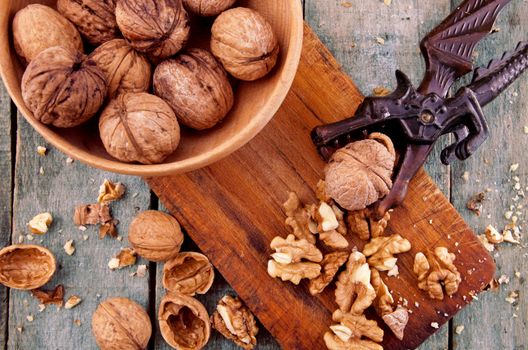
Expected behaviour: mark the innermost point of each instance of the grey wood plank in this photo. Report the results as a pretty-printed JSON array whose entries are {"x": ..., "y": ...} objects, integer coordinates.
[
  {"x": 490, "y": 322},
  {"x": 5, "y": 196},
  {"x": 351, "y": 34},
  {"x": 86, "y": 274}
]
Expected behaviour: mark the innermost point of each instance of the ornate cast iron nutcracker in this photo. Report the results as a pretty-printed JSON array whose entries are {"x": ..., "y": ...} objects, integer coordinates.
[{"x": 416, "y": 118}]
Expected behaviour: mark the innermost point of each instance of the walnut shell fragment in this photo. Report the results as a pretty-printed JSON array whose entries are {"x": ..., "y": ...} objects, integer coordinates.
[
  {"x": 235, "y": 321},
  {"x": 359, "y": 174},
  {"x": 46, "y": 297},
  {"x": 125, "y": 69},
  {"x": 94, "y": 18},
  {"x": 155, "y": 236},
  {"x": 188, "y": 273},
  {"x": 381, "y": 250},
  {"x": 244, "y": 41},
  {"x": 138, "y": 127},
  {"x": 159, "y": 28},
  {"x": 120, "y": 323},
  {"x": 437, "y": 272},
  {"x": 26, "y": 266},
  {"x": 353, "y": 332},
  {"x": 330, "y": 265},
  {"x": 207, "y": 8},
  {"x": 63, "y": 88},
  {"x": 183, "y": 322},
  {"x": 37, "y": 27},
  {"x": 92, "y": 214},
  {"x": 195, "y": 85},
  {"x": 299, "y": 218}
]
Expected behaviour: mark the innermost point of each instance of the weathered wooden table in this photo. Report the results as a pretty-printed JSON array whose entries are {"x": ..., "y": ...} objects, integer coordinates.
[{"x": 32, "y": 184}]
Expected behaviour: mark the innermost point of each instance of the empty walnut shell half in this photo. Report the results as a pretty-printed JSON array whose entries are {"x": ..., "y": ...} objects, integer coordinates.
[
  {"x": 119, "y": 324},
  {"x": 188, "y": 273},
  {"x": 126, "y": 70},
  {"x": 195, "y": 85},
  {"x": 159, "y": 28},
  {"x": 94, "y": 18},
  {"x": 63, "y": 88},
  {"x": 183, "y": 322},
  {"x": 245, "y": 43},
  {"x": 155, "y": 236},
  {"x": 37, "y": 28},
  {"x": 138, "y": 127},
  {"x": 208, "y": 8},
  {"x": 26, "y": 266}
]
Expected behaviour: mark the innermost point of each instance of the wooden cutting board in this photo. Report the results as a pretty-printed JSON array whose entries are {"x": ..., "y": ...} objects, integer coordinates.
[{"x": 233, "y": 209}]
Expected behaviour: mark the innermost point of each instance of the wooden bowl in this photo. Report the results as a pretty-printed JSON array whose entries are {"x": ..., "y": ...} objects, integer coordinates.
[{"x": 255, "y": 104}]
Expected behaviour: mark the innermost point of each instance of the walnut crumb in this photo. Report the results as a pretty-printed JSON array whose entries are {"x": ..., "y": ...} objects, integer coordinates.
[
  {"x": 459, "y": 329},
  {"x": 72, "y": 302},
  {"x": 435, "y": 325},
  {"x": 41, "y": 150},
  {"x": 30, "y": 318},
  {"x": 69, "y": 247}
]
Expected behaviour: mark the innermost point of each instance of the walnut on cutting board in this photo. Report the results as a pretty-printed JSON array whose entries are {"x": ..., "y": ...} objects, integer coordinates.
[
  {"x": 299, "y": 218},
  {"x": 437, "y": 272},
  {"x": 362, "y": 224},
  {"x": 381, "y": 250},
  {"x": 330, "y": 265},
  {"x": 235, "y": 321},
  {"x": 353, "y": 332}
]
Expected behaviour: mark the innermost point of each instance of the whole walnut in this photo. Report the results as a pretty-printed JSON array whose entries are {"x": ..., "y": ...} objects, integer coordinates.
[
  {"x": 208, "y": 8},
  {"x": 155, "y": 236},
  {"x": 245, "y": 43},
  {"x": 195, "y": 85},
  {"x": 94, "y": 18},
  {"x": 63, "y": 87},
  {"x": 126, "y": 70},
  {"x": 119, "y": 324},
  {"x": 159, "y": 28},
  {"x": 138, "y": 127},
  {"x": 37, "y": 28},
  {"x": 359, "y": 174}
]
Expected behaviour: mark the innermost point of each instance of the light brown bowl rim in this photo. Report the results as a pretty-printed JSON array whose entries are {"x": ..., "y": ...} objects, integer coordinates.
[{"x": 248, "y": 132}]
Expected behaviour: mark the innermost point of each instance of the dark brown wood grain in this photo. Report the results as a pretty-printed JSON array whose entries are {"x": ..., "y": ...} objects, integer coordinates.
[{"x": 233, "y": 209}]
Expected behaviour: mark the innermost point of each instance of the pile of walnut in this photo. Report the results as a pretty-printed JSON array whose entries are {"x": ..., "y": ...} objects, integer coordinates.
[
  {"x": 135, "y": 48},
  {"x": 323, "y": 227}
]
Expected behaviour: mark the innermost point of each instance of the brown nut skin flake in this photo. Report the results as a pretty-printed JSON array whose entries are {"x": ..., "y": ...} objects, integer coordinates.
[
  {"x": 125, "y": 69},
  {"x": 63, "y": 88},
  {"x": 26, "y": 267},
  {"x": 359, "y": 174},
  {"x": 195, "y": 85},
  {"x": 235, "y": 321},
  {"x": 188, "y": 273},
  {"x": 95, "y": 19},
  {"x": 159, "y": 28},
  {"x": 207, "y": 8},
  {"x": 244, "y": 41},
  {"x": 121, "y": 324},
  {"x": 37, "y": 28},
  {"x": 155, "y": 236},
  {"x": 183, "y": 322},
  {"x": 330, "y": 265},
  {"x": 139, "y": 127}
]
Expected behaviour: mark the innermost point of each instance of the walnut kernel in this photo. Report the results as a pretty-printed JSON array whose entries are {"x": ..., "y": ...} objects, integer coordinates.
[
  {"x": 235, "y": 321},
  {"x": 110, "y": 191},
  {"x": 330, "y": 265},
  {"x": 353, "y": 332},
  {"x": 188, "y": 273},
  {"x": 299, "y": 218},
  {"x": 381, "y": 250},
  {"x": 40, "y": 223},
  {"x": 437, "y": 273},
  {"x": 361, "y": 223}
]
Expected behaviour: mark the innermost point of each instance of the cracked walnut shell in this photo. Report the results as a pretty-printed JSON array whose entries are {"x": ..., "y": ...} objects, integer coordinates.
[
  {"x": 139, "y": 127},
  {"x": 125, "y": 69},
  {"x": 235, "y": 321},
  {"x": 188, "y": 273},
  {"x": 63, "y": 88},
  {"x": 207, "y": 8},
  {"x": 95, "y": 19},
  {"x": 195, "y": 85},
  {"x": 353, "y": 332},
  {"x": 183, "y": 322},
  {"x": 159, "y": 28},
  {"x": 120, "y": 323},
  {"x": 437, "y": 273},
  {"x": 381, "y": 250},
  {"x": 330, "y": 265},
  {"x": 26, "y": 266},
  {"x": 37, "y": 28},
  {"x": 155, "y": 236},
  {"x": 359, "y": 174},
  {"x": 244, "y": 41}
]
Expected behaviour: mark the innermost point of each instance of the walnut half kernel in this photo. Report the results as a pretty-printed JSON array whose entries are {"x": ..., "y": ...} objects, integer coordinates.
[
  {"x": 381, "y": 250},
  {"x": 236, "y": 322},
  {"x": 353, "y": 332},
  {"x": 437, "y": 272}
]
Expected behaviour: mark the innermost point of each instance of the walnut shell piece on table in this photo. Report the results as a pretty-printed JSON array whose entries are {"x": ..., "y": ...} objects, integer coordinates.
[
  {"x": 95, "y": 19},
  {"x": 207, "y": 8},
  {"x": 120, "y": 323},
  {"x": 63, "y": 88},
  {"x": 155, "y": 236},
  {"x": 188, "y": 273},
  {"x": 235, "y": 321},
  {"x": 37, "y": 27},
  {"x": 244, "y": 41},
  {"x": 139, "y": 127},
  {"x": 359, "y": 174},
  {"x": 196, "y": 86},
  {"x": 126, "y": 70},
  {"x": 159, "y": 28},
  {"x": 26, "y": 267},
  {"x": 183, "y": 322}
]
